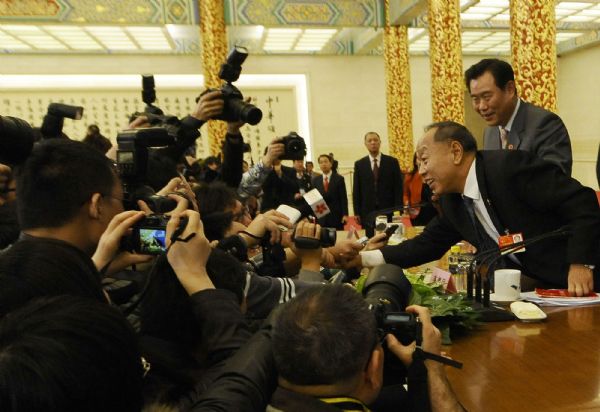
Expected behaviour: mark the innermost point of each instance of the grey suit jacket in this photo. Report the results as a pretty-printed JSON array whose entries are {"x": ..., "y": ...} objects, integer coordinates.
[{"x": 538, "y": 131}]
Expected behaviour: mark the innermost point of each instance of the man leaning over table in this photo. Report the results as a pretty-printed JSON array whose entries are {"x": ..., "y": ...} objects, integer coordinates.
[{"x": 485, "y": 194}]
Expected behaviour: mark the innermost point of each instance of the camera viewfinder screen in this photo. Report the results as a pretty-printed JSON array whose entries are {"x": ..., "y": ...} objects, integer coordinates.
[
  {"x": 396, "y": 317},
  {"x": 152, "y": 241},
  {"x": 124, "y": 157}
]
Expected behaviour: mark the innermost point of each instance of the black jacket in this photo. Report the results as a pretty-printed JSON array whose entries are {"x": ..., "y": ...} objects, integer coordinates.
[
  {"x": 336, "y": 198},
  {"x": 522, "y": 194},
  {"x": 367, "y": 196},
  {"x": 279, "y": 190}
]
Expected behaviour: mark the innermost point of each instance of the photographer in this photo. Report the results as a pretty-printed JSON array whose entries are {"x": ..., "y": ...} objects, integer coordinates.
[
  {"x": 9, "y": 224},
  {"x": 328, "y": 356},
  {"x": 16, "y": 142},
  {"x": 163, "y": 162},
  {"x": 280, "y": 186},
  {"x": 253, "y": 180}
]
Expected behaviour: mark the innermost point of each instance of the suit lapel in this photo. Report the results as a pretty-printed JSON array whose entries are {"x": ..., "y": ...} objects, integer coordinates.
[
  {"x": 455, "y": 211},
  {"x": 369, "y": 171},
  {"x": 514, "y": 136},
  {"x": 482, "y": 182},
  {"x": 493, "y": 138}
]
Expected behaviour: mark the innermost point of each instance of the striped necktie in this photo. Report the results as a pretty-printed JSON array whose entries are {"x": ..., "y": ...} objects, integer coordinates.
[{"x": 503, "y": 137}]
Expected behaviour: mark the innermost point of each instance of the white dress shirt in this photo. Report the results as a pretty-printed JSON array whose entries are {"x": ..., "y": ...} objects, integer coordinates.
[
  {"x": 378, "y": 157},
  {"x": 471, "y": 190},
  {"x": 512, "y": 117}
]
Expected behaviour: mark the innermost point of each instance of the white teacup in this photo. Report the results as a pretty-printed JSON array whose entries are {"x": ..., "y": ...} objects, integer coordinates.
[{"x": 507, "y": 284}]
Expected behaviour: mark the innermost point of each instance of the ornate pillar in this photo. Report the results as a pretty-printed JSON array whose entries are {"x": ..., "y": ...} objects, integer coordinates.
[
  {"x": 533, "y": 46},
  {"x": 445, "y": 57},
  {"x": 399, "y": 103},
  {"x": 214, "y": 53}
]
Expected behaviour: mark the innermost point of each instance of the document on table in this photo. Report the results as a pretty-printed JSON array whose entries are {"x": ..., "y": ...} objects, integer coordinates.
[{"x": 559, "y": 300}]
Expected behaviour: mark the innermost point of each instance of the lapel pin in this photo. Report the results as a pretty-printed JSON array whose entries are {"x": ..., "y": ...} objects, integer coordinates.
[{"x": 510, "y": 147}]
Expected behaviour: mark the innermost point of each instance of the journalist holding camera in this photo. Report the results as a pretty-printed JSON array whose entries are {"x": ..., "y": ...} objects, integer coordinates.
[{"x": 329, "y": 357}]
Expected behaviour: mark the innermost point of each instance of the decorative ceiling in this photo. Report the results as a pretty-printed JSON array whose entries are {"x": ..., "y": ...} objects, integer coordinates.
[{"x": 266, "y": 26}]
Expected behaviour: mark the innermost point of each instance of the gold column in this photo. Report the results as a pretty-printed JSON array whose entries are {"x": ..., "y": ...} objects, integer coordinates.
[
  {"x": 445, "y": 57},
  {"x": 399, "y": 103},
  {"x": 533, "y": 36},
  {"x": 214, "y": 53}
]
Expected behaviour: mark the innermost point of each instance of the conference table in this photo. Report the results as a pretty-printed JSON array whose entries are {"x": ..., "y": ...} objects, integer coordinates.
[{"x": 515, "y": 366}]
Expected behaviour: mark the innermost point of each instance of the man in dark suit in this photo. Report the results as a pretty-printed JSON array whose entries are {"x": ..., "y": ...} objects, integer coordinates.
[
  {"x": 512, "y": 123},
  {"x": 487, "y": 193},
  {"x": 333, "y": 188},
  {"x": 302, "y": 177},
  {"x": 279, "y": 188},
  {"x": 377, "y": 182}
]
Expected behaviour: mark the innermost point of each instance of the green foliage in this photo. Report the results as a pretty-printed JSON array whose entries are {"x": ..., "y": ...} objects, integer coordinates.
[{"x": 451, "y": 313}]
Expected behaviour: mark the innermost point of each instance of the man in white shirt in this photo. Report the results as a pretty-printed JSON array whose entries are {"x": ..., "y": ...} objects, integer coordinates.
[{"x": 490, "y": 193}]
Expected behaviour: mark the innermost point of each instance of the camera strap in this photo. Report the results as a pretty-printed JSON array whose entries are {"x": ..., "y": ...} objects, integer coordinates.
[{"x": 423, "y": 355}]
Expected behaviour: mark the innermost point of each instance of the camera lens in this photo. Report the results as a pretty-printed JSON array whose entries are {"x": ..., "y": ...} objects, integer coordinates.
[{"x": 250, "y": 114}]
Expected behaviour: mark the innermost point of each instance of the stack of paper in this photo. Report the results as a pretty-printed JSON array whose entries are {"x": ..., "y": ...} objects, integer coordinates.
[{"x": 561, "y": 300}]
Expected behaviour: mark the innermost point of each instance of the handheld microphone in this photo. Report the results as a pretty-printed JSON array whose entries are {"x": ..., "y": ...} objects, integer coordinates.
[{"x": 370, "y": 219}]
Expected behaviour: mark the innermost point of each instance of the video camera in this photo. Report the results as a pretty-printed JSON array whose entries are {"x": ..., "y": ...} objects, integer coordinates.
[
  {"x": 54, "y": 119},
  {"x": 235, "y": 108},
  {"x": 132, "y": 165},
  {"x": 294, "y": 147},
  {"x": 387, "y": 291},
  {"x": 145, "y": 150}
]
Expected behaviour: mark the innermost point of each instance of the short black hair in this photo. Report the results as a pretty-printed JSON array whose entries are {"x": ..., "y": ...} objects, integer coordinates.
[
  {"x": 327, "y": 156},
  {"x": 214, "y": 197},
  {"x": 57, "y": 179},
  {"x": 499, "y": 69},
  {"x": 69, "y": 353},
  {"x": 368, "y": 133},
  {"x": 448, "y": 131},
  {"x": 323, "y": 336}
]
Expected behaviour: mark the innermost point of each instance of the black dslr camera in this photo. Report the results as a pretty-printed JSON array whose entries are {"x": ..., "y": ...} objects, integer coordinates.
[
  {"x": 54, "y": 119},
  {"x": 387, "y": 290},
  {"x": 149, "y": 235},
  {"x": 235, "y": 108},
  {"x": 295, "y": 147}
]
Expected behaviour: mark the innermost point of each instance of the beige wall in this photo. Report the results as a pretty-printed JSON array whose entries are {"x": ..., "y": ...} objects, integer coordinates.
[
  {"x": 347, "y": 94},
  {"x": 579, "y": 107}
]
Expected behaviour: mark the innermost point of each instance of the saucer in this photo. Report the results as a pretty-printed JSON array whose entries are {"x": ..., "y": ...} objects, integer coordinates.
[{"x": 498, "y": 298}]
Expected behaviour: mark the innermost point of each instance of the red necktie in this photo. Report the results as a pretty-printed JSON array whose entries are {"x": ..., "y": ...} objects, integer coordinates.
[
  {"x": 375, "y": 170},
  {"x": 325, "y": 183}
]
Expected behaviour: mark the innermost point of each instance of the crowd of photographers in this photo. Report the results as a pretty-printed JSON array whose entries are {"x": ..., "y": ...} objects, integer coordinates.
[{"x": 132, "y": 286}]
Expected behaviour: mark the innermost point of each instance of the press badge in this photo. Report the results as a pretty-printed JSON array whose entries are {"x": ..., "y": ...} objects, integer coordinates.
[{"x": 511, "y": 239}]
